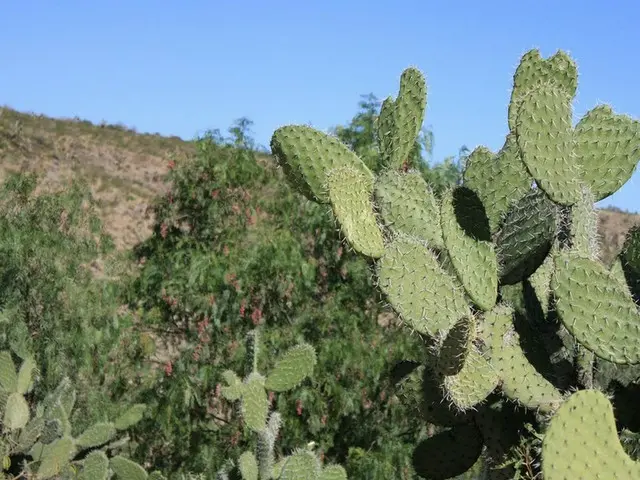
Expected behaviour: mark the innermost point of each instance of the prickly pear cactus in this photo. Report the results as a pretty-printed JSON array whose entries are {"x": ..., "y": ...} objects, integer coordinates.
[
  {"x": 44, "y": 434},
  {"x": 250, "y": 394},
  {"x": 500, "y": 275}
]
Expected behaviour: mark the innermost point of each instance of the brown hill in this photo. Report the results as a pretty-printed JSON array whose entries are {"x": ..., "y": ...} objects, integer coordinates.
[{"x": 125, "y": 169}]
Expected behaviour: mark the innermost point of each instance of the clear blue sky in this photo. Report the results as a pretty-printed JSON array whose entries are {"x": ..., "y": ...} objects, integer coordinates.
[{"x": 183, "y": 67}]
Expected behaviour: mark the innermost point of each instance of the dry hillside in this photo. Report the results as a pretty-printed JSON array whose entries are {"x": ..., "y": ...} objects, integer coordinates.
[{"x": 125, "y": 169}]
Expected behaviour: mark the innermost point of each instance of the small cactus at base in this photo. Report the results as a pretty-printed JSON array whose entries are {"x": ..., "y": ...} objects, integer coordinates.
[
  {"x": 500, "y": 276},
  {"x": 290, "y": 369},
  {"x": 43, "y": 433}
]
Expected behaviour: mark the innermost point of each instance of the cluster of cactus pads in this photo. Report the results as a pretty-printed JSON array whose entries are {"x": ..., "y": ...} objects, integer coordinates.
[
  {"x": 38, "y": 443},
  {"x": 501, "y": 275},
  {"x": 251, "y": 396}
]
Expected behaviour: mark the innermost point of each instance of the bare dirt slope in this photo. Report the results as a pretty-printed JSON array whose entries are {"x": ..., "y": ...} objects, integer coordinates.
[{"x": 125, "y": 169}]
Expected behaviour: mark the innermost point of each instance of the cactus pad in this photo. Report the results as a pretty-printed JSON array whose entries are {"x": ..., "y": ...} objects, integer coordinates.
[
  {"x": 400, "y": 121},
  {"x": 630, "y": 262},
  {"x": 16, "y": 413},
  {"x": 96, "y": 435},
  {"x": 425, "y": 296},
  {"x": 8, "y": 375},
  {"x": 294, "y": 366},
  {"x": 95, "y": 466},
  {"x": 132, "y": 416},
  {"x": 596, "y": 308},
  {"x": 302, "y": 464},
  {"x": 255, "y": 404},
  {"x": 350, "y": 193},
  {"x": 498, "y": 180},
  {"x": 607, "y": 146},
  {"x": 408, "y": 205},
  {"x": 581, "y": 441},
  {"x": 55, "y": 457},
  {"x": 466, "y": 234},
  {"x": 248, "y": 466},
  {"x": 127, "y": 469},
  {"x": 545, "y": 136},
  {"x": 520, "y": 380},
  {"x": 526, "y": 236},
  {"x": 306, "y": 155},
  {"x": 473, "y": 383},
  {"x": 534, "y": 70}
]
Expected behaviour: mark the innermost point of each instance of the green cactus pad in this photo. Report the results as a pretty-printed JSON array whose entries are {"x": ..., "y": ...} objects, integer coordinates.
[
  {"x": 126, "y": 469},
  {"x": 306, "y": 155},
  {"x": 156, "y": 476},
  {"x": 520, "y": 380},
  {"x": 8, "y": 375},
  {"x": 424, "y": 295},
  {"x": 255, "y": 404},
  {"x": 350, "y": 193},
  {"x": 451, "y": 355},
  {"x": 55, "y": 457},
  {"x": 448, "y": 453},
  {"x": 384, "y": 125},
  {"x": 333, "y": 472},
  {"x": 630, "y": 261},
  {"x": 96, "y": 435},
  {"x": 466, "y": 234},
  {"x": 581, "y": 441},
  {"x": 303, "y": 464},
  {"x": 234, "y": 388},
  {"x": 534, "y": 70},
  {"x": 29, "y": 434},
  {"x": 408, "y": 205},
  {"x": 526, "y": 236},
  {"x": 130, "y": 417},
  {"x": 25, "y": 375},
  {"x": 545, "y": 136},
  {"x": 598, "y": 311},
  {"x": 248, "y": 466},
  {"x": 540, "y": 280},
  {"x": 617, "y": 270},
  {"x": 605, "y": 372},
  {"x": 95, "y": 466},
  {"x": 278, "y": 466},
  {"x": 16, "y": 413},
  {"x": 407, "y": 115},
  {"x": 498, "y": 180},
  {"x": 58, "y": 412},
  {"x": 51, "y": 430},
  {"x": 473, "y": 383},
  {"x": 607, "y": 146},
  {"x": 584, "y": 226},
  {"x": 294, "y": 366}
]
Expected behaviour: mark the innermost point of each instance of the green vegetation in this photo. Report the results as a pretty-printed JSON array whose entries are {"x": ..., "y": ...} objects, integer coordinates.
[{"x": 457, "y": 324}]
